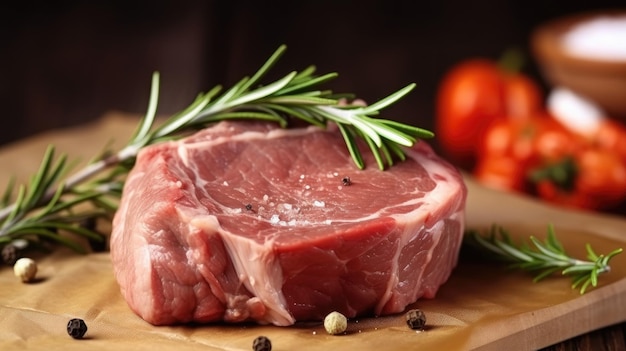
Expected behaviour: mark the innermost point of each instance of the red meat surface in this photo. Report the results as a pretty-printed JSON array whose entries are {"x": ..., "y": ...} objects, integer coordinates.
[{"x": 245, "y": 221}]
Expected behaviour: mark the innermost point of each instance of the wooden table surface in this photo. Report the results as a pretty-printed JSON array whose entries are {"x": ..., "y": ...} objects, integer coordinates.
[
  {"x": 113, "y": 310},
  {"x": 611, "y": 338}
]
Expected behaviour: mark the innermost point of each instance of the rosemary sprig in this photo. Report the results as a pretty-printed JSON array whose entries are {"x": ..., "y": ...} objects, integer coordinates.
[
  {"x": 545, "y": 258},
  {"x": 50, "y": 202}
]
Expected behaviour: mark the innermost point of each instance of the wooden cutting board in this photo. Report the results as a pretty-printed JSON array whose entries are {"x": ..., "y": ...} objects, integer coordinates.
[{"x": 483, "y": 306}]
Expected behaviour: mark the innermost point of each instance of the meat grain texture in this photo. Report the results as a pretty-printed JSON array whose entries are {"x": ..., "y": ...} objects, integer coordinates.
[{"x": 245, "y": 221}]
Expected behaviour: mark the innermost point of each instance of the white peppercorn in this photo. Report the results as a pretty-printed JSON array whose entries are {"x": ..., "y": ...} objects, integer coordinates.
[
  {"x": 335, "y": 323},
  {"x": 25, "y": 269}
]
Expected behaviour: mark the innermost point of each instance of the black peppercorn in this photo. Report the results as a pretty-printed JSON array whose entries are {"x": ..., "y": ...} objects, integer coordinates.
[
  {"x": 10, "y": 254},
  {"x": 76, "y": 328},
  {"x": 262, "y": 343},
  {"x": 416, "y": 319},
  {"x": 346, "y": 181},
  {"x": 249, "y": 207}
]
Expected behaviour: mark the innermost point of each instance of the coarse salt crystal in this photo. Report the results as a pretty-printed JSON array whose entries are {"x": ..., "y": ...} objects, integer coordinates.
[
  {"x": 603, "y": 38},
  {"x": 225, "y": 183},
  {"x": 318, "y": 203},
  {"x": 274, "y": 219}
]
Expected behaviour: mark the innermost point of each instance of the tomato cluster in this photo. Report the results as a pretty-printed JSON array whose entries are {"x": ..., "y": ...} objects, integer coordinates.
[
  {"x": 494, "y": 123},
  {"x": 474, "y": 94}
]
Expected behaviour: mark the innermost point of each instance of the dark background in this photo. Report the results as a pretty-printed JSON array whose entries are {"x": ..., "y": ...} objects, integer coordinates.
[{"x": 67, "y": 62}]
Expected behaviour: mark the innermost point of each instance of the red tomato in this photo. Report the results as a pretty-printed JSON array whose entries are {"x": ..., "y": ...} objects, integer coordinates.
[
  {"x": 511, "y": 147},
  {"x": 611, "y": 136},
  {"x": 553, "y": 141},
  {"x": 501, "y": 172},
  {"x": 597, "y": 181},
  {"x": 536, "y": 138},
  {"x": 523, "y": 96},
  {"x": 471, "y": 96}
]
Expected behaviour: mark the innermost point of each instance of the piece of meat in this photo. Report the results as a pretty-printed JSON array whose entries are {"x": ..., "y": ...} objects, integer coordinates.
[{"x": 245, "y": 221}]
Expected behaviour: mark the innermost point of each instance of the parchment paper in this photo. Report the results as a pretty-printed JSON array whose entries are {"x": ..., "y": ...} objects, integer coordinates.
[{"x": 483, "y": 306}]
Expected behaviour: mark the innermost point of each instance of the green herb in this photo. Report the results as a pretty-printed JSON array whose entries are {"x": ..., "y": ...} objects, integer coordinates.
[
  {"x": 545, "y": 257},
  {"x": 49, "y": 204}
]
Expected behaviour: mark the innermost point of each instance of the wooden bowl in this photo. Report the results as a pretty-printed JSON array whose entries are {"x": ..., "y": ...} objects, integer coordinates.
[{"x": 600, "y": 80}]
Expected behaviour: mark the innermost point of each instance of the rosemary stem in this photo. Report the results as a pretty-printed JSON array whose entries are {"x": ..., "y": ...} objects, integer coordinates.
[
  {"x": 78, "y": 178},
  {"x": 86, "y": 173}
]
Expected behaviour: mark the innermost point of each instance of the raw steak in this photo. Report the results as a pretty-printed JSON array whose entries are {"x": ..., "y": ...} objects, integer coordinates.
[{"x": 244, "y": 221}]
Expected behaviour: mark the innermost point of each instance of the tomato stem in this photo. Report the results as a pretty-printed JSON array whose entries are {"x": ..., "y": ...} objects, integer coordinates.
[
  {"x": 512, "y": 60},
  {"x": 562, "y": 173}
]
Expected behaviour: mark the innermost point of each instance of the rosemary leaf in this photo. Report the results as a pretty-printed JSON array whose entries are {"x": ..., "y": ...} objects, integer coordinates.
[
  {"x": 389, "y": 100},
  {"x": 147, "y": 122},
  {"x": 305, "y": 74},
  {"x": 302, "y": 84},
  {"x": 8, "y": 192},
  {"x": 51, "y": 203},
  {"x": 545, "y": 273},
  {"x": 19, "y": 208},
  {"x": 349, "y": 117},
  {"x": 271, "y": 117},
  {"x": 397, "y": 151},
  {"x": 66, "y": 205},
  {"x": 35, "y": 188},
  {"x": 546, "y": 257},
  {"x": 298, "y": 112},
  {"x": 352, "y": 146},
  {"x": 375, "y": 151},
  {"x": 408, "y": 129},
  {"x": 269, "y": 63},
  {"x": 185, "y": 117},
  {"x": 591, "y": 255},
  {"x": 261, "y": 92},
  {"x": 389, "y": 133},
  {"x": 301, "y": 100},
  {"x": 388, "y": 157}
]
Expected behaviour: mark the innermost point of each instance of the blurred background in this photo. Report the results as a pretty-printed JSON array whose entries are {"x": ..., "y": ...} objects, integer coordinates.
[{"x": 67, "y": 62}]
